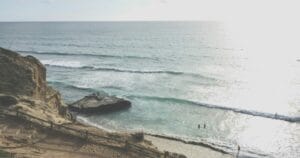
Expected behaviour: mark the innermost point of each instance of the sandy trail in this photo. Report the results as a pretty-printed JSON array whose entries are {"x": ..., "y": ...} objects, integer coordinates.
[{"x": 27, "y": 140}]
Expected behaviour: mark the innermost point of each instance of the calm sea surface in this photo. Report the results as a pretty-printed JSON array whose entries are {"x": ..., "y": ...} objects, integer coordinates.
[{"x": 177, "y": 75}]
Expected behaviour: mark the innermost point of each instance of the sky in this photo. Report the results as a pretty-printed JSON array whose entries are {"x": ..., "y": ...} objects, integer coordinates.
[{"x": 148, "y": 10}]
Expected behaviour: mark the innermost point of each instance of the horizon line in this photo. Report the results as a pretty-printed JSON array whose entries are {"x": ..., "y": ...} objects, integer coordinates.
[{"x": 110, "y": 21}]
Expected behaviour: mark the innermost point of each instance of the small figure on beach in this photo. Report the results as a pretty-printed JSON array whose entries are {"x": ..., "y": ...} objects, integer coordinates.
[
  {"x": 198, "y": 126},
  {"x": 239, "y": 148},
  {"x": 204, "y": 126}
]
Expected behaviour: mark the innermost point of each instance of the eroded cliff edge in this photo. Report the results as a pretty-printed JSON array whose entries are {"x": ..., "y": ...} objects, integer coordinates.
[{"x": 24, "y": 78}]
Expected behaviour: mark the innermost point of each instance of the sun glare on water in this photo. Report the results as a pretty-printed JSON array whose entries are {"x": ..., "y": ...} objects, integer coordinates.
[
  {"x": 269, "y": 63},
  {"x": 269, "y": 77}
]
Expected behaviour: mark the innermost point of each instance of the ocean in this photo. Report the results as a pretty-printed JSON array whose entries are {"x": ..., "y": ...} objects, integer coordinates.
[{"x": 178, "y": 75}]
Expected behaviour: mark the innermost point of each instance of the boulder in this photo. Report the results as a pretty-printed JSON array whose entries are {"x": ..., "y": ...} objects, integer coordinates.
[{"x": 96, "y": 103}]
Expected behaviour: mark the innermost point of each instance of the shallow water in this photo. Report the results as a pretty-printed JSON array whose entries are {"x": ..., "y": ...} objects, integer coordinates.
[{"x": 177, "y": 75}]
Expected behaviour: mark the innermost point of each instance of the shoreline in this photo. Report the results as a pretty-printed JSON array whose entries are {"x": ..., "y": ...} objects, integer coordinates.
[
  {"x": 169, "y": 143},
  {"x": 189, "y": 150},
  {"x": 202, "y": 144}
]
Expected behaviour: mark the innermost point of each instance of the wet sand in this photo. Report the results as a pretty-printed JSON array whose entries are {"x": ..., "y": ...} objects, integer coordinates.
[{"x": 191, "y": 151}]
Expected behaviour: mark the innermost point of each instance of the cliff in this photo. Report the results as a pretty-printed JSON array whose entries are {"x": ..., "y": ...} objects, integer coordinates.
[
  {"x": 25, "y": 77},
  {"x": 22, "y": 75}
]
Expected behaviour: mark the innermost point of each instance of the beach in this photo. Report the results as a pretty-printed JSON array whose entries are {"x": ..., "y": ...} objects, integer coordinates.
[{"x": 191, "y": 151}]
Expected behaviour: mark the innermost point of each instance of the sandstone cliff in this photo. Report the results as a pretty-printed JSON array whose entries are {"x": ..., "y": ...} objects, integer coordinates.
[
  {"x": 26, "y": 77},
  {"x": 22, "y": 75}
]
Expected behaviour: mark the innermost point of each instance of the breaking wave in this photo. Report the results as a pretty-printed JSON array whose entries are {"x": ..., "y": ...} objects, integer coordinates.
[
  {"x": 77, "y": 65},
  {"x": 88, "y": 55},
  {"x": 237, "y": 110}
]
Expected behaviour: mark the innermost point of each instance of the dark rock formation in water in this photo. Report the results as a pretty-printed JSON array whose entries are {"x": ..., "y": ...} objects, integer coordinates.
[
  {"x": 96, "y": 103},
  {"x": 25, "y": 77}
]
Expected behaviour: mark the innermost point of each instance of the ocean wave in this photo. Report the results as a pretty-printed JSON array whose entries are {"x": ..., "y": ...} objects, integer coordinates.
[
  {"x": 81, "y": 88},
  {"x": 237, "y": 110},
  {"x": 67, "y": 64},
  {"x": 141, "y": 71},
  {"x": 88, "y": 55},
  {"x": 70, "y": 65},
  {"x": 62, "y": 84}
]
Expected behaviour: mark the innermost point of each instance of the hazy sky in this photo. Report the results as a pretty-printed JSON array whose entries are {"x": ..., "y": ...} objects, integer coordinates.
[{"x": 107, "y": 10}]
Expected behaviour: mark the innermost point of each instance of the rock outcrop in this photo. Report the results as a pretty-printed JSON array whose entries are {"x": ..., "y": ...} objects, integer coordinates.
[
  {"x": 7, "y": 100},
  {"x": 96, "y": 103},
  {"x": 25, "y": 77}
]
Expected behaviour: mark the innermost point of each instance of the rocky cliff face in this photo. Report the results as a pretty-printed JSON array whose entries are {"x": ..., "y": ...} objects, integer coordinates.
[
  {"x": 19, "y": 75},
  {"x": 26, "y": 76}
]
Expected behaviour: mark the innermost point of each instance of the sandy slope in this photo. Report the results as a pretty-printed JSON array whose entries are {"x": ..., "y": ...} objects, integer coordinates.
[{"x": 26, "y": 140}]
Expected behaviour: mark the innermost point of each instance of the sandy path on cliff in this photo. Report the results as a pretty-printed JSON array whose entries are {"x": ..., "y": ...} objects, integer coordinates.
[{"x": 31, "y": 141}]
